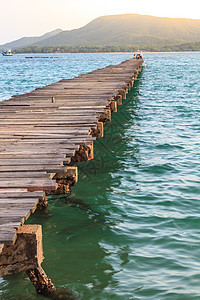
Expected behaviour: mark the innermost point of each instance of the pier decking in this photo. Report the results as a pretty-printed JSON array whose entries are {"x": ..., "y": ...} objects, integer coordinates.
[{"x": 44, "y": 133}]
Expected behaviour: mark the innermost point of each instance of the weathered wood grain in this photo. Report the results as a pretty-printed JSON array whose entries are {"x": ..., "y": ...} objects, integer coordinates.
[{"x": 48, "y": 128}]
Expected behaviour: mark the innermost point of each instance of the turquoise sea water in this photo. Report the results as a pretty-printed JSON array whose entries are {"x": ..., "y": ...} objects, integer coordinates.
[{"x": 131, "y": 227}]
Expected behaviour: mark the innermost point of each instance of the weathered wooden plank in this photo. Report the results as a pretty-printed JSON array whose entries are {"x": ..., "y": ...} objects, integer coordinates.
[
  {"x": 38, "y": 156},
  {"x": 19, "y": 195},
  {"x": 77, "y": 116},
  {"x": 30, "y": 174},
  {"x": 7, "y": 235},
  {"x": 18, "y": 201},
  {"x": 44, "y": 136},
  {"x": 22, "y": 123},
  {"x": 46, "y": 128},
  {"x": 32, "y": 161},
  {"x": 77, "y": 103},
  {"x": 13, "y": 218},
  {"x": 54, "y": 168},
  {"x": 41, "y": 156},
  {"x": 21, "y": 147},
  {"x": 9, "y": 225},
  {"x": 51, "y": 138},
  {"x": 32, "y": 109},
  {"x": 12, "y": 214},
  {"x": 26, "y": 182}
]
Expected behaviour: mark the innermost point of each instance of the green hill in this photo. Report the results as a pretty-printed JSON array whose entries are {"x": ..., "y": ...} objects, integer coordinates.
[
  {"x": 122, "y": 32},
  {"x": 130, "y": 29}
]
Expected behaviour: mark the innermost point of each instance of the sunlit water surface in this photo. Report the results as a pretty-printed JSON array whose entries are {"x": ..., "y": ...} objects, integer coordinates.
[{"x": 131, "y": 227}]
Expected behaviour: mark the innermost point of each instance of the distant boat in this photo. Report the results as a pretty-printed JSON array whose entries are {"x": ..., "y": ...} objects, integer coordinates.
[{"x": 7, "y": 53}]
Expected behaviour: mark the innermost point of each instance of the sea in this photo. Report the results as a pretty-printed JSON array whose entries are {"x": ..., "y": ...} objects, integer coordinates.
[{"x": 130, "y": 228}]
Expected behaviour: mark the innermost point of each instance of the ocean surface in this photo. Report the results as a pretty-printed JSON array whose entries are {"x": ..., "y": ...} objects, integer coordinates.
[{"x": 131, "y": 227}]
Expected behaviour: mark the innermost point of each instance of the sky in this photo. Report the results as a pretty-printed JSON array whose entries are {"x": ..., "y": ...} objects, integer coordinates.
[{"x": 19, "y": 18}]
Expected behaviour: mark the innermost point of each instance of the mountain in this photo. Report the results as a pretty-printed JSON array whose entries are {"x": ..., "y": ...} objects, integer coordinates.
[
  {"x": 129, "y": 29},
  {"x": 26, "y": 41},
  {"x": 122, "y": 30}
]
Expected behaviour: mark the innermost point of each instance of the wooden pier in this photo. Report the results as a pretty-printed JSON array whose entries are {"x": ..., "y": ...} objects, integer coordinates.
[{"x": 43, "y": 135}]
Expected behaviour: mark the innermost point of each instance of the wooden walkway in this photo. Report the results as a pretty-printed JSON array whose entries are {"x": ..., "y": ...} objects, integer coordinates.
[{"x": 43, "y": 131}]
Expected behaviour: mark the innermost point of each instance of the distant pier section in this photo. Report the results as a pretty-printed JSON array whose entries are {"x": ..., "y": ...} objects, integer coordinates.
[{"x": 43, "y": 135}]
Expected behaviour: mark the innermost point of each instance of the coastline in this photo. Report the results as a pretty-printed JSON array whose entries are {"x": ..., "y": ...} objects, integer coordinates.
[{"x": 53, "y": 53}]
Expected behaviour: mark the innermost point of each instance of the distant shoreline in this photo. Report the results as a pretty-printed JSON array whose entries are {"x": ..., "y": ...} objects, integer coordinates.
[
  {"x": 108, "y": 49},
  {"x": 53, "y": 53}
]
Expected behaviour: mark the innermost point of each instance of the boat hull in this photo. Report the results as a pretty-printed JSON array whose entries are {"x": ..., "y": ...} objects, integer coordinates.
[{"x": 7, "y": 54}]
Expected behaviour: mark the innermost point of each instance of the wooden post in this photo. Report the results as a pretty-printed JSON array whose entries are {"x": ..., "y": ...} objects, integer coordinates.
[
  {"x": 135, "y": 74},
  {"x": 98, "y": 131},
  {"x": 131, "y": 82},
  {"x": 41, "y": 281},
  {"x": 90, "y": 150},
  {"x": 106, "y": 116},
  {"x": 84, "y": 153},
  {"x": 43, "y": 202},
  {"x": 27, "y": 255},
  {"x": 65, "y": 180},
  {"x": 123, "y": 93},
  {"x": 118, "y": 98},
  {"x": 113, "y": 106},
  {"x": 140, "y": 68},
  {"x": 72, "y": 173}
]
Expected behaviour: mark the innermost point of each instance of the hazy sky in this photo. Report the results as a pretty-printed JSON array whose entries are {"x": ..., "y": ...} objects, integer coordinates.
[{"x": 20, "y": 18}]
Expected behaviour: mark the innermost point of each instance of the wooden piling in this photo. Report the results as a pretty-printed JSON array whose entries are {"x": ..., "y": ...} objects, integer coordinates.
[{"x": 26, "y": 253}]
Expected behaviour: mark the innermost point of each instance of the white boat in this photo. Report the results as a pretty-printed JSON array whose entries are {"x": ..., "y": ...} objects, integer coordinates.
[{"x": 7, "y": 53}]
